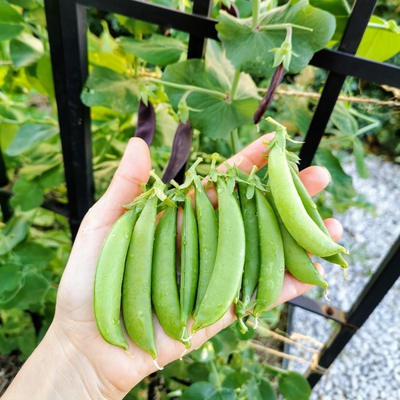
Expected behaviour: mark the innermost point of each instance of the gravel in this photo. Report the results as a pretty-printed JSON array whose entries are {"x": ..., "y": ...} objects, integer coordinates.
[{"x": 369, "y": 366}]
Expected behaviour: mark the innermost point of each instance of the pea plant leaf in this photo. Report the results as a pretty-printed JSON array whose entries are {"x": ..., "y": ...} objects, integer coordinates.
[
  {"x": 25, "y": 50},
  {"x": 29, "y": 135},
  {"x": 359, "y": 158},
  {"x": 342, "y": 184},
  {"x": 158, "y": 50},
  {"x": 250, "y": 50},
  {"x": 11, "y": 22},
  {"x": 215, "y": 115},
  {"x": 381, "y": 40},
  {"x": 294, "y": 386},
  {"x": 207, "y": 391},
  {"x": 340, "y": 9},
  {"x": 108, "y": 88}
]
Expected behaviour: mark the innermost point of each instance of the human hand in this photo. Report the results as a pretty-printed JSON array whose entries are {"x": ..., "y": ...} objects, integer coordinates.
[{"x": 104, "y": 370}]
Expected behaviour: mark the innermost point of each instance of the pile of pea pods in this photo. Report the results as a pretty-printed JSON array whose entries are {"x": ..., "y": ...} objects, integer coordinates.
[{"x": 235, "y": 255}]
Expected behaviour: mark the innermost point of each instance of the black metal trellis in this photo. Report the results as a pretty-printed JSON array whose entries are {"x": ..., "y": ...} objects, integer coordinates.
[{"x": 67, "y": 26}]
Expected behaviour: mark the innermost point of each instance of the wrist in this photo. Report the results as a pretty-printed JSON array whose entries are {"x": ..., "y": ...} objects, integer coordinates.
[{"x": 57, "y": 369}]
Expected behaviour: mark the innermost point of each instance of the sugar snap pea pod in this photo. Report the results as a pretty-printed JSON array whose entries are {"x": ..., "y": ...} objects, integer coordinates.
[
  {"x": 207, "y": 225},
  {"x": 189, "y": 262},
  {"x": 252, "y": 258},
  {"x": 297, "y": 261},
  {"x": 272, "y": 264},
  {"x": 312, "y": 211},
  {"x": 108, "y": 279},
  {"x": 290, "y": 207},
  {"x": 136, "y": 293},
  {"x": 229, "y": 262},
  {"x": 164, "y": 287}
]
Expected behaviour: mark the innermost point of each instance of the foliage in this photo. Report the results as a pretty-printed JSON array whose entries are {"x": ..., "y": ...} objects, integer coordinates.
[{"x": 132, "y": 60}]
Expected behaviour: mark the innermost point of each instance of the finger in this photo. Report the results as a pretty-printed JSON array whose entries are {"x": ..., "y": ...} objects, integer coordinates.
[
  {"x": 335, "y": 228},
  {"x": 315, "y": 179},
  {"x": 293, "y": 288},
  {"x": 251, "y": 155},
  {"x": 124, "y": 187}
]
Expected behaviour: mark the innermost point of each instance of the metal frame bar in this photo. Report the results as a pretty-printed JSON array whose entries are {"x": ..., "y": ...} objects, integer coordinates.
[{"x": 67, "y": 37}]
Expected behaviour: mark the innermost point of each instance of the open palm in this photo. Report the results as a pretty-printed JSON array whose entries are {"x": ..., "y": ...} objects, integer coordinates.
[{"x": 74, "y": 320}]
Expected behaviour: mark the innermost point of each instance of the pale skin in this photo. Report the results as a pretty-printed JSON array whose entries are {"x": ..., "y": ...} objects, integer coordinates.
[{"x": 73, "y": 361}]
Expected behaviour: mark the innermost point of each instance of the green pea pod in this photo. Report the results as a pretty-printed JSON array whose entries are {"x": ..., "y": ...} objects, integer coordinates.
[
  {"x": 189, "y": 262},
  {"x": 207, "y": 225},
  {"x": 272, "y": 268},
  {"x": 290, "y": 207},
  {"x": 229, "y": 262},
  {"x": 297, "y": 261},
  {"x": 164, "y": 287},
  {"x": 136, "y": 293},
  {"x": 312, "y": 211},
  {"x": 252, "y": 258},
  {"x": 108, "y": 279}
]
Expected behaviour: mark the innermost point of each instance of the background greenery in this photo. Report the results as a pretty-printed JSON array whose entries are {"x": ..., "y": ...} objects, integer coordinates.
[{"x": 130, "y": 59}]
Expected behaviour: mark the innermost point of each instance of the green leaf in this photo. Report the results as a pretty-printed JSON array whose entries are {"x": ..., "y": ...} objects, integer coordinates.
[
  {"x": 260, "y": 389},
  {"x": 343, "y": 120},
  {"x": 29, "y": 252},
  {"x": 199, "y": 391},
  {"x": 250, "y": 50},
  {"x": 217, "y": 116},
  {"x": 27, "y": 195},
  {"x": 236, "y": 379},
  {"x": 380, "y": 41},
  {"x": 359, "y": 157},
  {"x": 107, "y": 88},
  {"x": 107, "y": 60},
  {"x": 32, "y": 293},
  {"x": 44, "y": 74},
  {"x": 29, "y": 135},
  {"x": 158, "y": 50},
  {"x": 27, "y": 4},
  {"x": 294, "y": 386},
  {"x": 11, "y": 22},
  {"x": 207, "y": 391},
  {"x": 340, "y": 9},
  {"x": 10, "y": 279},
  {"x": 38, "y": 167},
  {"x": 198, "y": 371},
  {"x": 14, "y": 232},
  {"x": 166, "y": 127},
  {"x": 25, "y": 50},
  {"x": 342, "y": 184},
  {"x": 136, "y": 26}
]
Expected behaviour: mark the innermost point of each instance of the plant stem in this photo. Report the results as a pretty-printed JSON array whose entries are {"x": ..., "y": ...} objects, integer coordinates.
[
  {"x": 283, "y": 26},
  {"x": 256, "y": 14},
  {"x": 215, "y": 373},
  {"x": 191, "y": 88},
  {"x": 235, "y": 84},
  {"x": 235, "y": 141}
]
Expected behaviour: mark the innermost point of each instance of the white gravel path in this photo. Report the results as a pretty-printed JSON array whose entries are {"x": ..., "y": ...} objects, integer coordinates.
[{"x": 369, "y": 366}]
